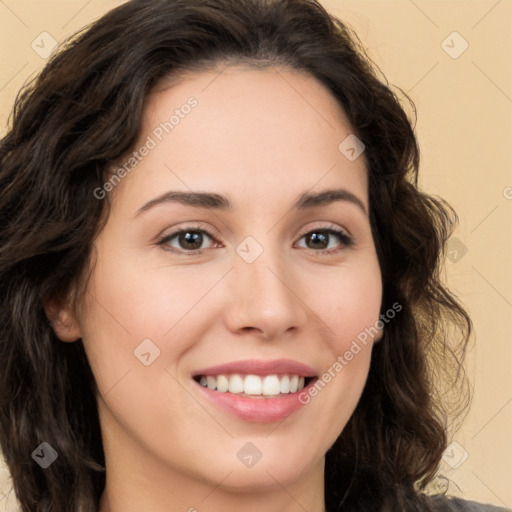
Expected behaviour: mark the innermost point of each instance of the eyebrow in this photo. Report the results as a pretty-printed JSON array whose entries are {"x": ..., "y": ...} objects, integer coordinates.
[{"x": 210, "y": 200}]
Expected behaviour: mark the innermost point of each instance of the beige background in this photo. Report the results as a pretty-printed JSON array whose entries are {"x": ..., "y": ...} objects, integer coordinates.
[{"x": 465, "y": 132}]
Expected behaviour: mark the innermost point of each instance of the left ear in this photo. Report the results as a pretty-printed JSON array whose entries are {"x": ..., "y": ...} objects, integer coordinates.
[{"x": 62, "y": 319}]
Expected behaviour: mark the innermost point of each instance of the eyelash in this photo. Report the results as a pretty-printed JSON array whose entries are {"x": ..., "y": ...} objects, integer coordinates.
[{"x": 345, "y": 239}]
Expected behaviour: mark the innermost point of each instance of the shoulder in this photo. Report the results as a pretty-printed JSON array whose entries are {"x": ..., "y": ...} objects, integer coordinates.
[{"x": 445, "y": 504}]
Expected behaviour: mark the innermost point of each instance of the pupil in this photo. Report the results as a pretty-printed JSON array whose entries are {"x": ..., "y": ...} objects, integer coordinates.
[
  {"x": 316, "y": 237},
  {"x": 188, "y": 239}
]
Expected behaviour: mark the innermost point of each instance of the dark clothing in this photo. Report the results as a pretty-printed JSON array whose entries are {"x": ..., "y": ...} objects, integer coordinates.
[{"x": 460, "y": 505}]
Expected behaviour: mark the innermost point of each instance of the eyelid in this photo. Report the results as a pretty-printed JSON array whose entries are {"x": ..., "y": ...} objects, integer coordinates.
[
  {"x": 190, "y": 226},
  {"x": 326, "y": 227}
]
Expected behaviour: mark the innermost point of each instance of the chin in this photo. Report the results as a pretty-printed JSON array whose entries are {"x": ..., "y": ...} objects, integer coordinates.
[{"x": 272, "y": 469}]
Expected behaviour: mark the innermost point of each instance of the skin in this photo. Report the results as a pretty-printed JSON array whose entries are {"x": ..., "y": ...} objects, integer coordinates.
[{"x": 261, "y": 138}]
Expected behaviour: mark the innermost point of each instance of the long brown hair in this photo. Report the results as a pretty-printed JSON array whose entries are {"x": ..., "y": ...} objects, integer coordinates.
[{"x": 82, "y": 113}]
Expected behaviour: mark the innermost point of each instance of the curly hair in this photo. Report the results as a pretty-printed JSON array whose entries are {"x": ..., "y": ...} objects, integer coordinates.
[{"x": 83, "y": 112}]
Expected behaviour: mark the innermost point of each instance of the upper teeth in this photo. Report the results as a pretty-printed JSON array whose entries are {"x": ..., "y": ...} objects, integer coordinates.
[{"x": 268, "y": 385}]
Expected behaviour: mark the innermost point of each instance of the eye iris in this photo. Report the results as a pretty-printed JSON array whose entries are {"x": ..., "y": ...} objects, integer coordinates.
[
  {"x": 188, "y": 238},
  {"x": 322, "y": 237}
]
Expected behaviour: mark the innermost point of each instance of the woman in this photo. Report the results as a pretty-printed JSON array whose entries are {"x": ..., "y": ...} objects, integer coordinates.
[{"x": 219, "y": 282}]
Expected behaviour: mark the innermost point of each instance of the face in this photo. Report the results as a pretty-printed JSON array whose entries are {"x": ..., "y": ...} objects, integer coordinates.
[{"x": 198, "y": 304}]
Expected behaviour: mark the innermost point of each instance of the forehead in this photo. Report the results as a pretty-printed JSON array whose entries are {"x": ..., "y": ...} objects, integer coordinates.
[{"x": 253, "y": 131}]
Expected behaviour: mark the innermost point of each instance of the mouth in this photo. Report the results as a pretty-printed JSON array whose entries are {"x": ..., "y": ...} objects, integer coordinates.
[{"x": 256, "y": 391}]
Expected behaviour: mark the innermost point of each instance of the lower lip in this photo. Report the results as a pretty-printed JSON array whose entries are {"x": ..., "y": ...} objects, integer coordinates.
[{"x": 258, "y": 409}]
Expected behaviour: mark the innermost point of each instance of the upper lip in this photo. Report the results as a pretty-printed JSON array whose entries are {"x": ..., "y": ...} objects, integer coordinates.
[{"x": 259, "y": 367}]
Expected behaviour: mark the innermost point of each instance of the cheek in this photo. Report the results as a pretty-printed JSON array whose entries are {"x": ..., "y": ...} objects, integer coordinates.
[
  {"x": 349, "y": 307},
  {"x": 128, "y": 305},
  {"x": 132, "y": 302},
  {"x": 348, "y": 300},
  {"x": 125, "y": 309}
]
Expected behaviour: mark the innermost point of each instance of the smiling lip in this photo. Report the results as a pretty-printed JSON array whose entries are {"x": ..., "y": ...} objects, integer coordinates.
[
  {"x": 258, "y": 409},
  {"x": 258, "y": 367}
]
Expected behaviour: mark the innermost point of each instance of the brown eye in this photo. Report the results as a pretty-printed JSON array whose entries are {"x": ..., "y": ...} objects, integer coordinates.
[
  {"x": 319, "y": 240},
  {"x": 187, "y": 240}
]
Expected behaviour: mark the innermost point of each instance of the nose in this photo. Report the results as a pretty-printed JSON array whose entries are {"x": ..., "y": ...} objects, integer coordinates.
[{"x": 265, "y": 297}]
